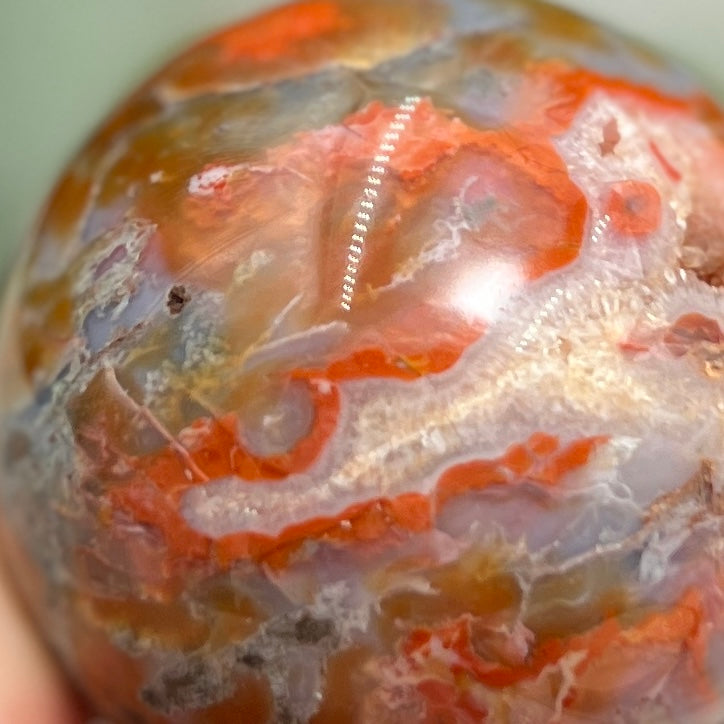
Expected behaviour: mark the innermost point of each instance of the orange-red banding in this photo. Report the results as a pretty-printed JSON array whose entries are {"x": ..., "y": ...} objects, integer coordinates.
[
  {"x": 404, "y": 357},
  {"x": 276, "y": 34},
  {"x": 552, "y": 93},
  {"x": 370, "y": 521},
  {"x": 153, "y": 497},
  {"x": 681, "y": 627},
  {"x": 540, "y": 460},
  {"x": 433, "y": 136}
]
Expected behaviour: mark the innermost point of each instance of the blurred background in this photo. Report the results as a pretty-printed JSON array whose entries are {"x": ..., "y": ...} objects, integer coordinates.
[{"x": 63, "y": 65}]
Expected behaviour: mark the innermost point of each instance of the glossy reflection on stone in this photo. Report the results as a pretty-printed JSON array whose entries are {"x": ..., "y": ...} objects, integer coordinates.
[{"x": 367, "y": 366}]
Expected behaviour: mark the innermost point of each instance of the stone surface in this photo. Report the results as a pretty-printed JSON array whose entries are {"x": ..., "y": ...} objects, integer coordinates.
[{"x": 368, "y": 367}]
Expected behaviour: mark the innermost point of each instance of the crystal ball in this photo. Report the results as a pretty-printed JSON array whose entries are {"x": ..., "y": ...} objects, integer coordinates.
[{"x": 367, "y": 366}]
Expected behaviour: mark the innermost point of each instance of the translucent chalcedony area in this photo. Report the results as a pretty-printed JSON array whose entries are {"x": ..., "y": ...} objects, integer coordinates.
[{"x": 367, "y": 367}]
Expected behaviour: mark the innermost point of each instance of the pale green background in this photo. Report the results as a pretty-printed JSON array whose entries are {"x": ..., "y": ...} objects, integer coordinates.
[{"x": 64, "y": 63}]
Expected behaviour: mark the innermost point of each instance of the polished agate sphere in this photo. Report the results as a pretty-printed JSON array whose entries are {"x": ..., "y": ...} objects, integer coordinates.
[{"x": 367, "y": 366}]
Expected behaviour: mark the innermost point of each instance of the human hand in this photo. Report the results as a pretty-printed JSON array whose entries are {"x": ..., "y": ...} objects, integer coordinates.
[{"x": 32, "y": 689}]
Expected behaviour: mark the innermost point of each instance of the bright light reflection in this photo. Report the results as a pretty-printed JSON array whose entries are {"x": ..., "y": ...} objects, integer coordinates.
[{"x": 481, "y": 293}]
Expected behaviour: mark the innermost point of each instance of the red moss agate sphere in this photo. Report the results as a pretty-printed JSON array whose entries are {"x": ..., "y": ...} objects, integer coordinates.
[{"x": 368, "y": 367}]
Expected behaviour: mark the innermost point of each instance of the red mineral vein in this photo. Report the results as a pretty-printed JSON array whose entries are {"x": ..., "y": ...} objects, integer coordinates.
[
  {"x": 678, "y": 632},
  {"x": 154, "y": 494},
  {"x": 539, "y": 460},
  {"x": 671, "y": 172}
]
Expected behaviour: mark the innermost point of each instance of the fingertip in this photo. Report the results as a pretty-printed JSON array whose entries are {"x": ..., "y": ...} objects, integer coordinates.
[{"x": 32, "y": 690}]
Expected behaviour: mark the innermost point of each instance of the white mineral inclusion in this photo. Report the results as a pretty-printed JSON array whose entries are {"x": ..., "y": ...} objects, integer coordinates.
[
  {"x": 210, "y": 180},
  {"x": 215, "y": 504}
]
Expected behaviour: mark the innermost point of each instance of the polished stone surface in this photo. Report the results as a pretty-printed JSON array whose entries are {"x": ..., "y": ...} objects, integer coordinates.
[{"x": 368, "y": 366}]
